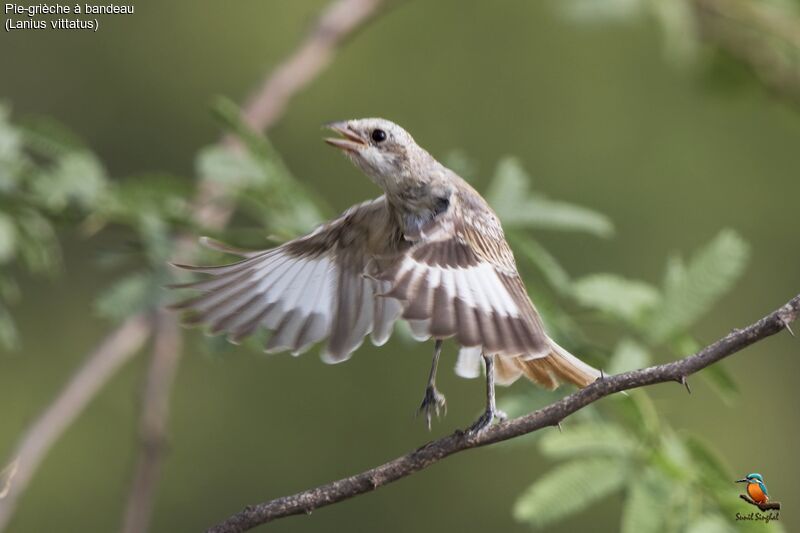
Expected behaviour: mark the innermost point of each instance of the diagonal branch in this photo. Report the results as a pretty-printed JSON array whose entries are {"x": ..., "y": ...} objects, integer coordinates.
[
  {"x": 99, "y": 367},
  {"x": 337, "y": 491},
  {"x": 758, "y": 34},
  {"x": 341, "y": 19},
  {"x": 167, "y": 341}
]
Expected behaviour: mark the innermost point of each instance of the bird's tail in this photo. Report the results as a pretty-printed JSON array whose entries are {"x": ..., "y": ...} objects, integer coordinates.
[{"x": 558, "y": 366}]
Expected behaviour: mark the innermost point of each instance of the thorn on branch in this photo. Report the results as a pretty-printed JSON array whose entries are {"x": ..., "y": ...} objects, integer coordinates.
[
  {"x": 685, "y": 382},
  {"x": 408, "y": 464},
  {"x": 558, "y": 425}
]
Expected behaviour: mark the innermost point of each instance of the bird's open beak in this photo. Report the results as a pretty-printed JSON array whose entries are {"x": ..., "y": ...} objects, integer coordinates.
[
  {"x": 745, "y": 480},
  {"x": 350, "y": 140}
]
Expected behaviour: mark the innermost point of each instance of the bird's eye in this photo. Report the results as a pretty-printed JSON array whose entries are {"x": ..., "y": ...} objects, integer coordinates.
[{"x": 378, "y": 135}]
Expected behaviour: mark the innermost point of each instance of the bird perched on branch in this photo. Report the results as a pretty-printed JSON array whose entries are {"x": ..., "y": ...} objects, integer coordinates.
[
  {"x": 756, "y": 488},
  {"x": 430, "y": 251}
]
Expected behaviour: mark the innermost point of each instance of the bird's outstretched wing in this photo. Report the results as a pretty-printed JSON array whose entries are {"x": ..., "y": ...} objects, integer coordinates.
[
  {"x": 306, "y": 290},
  {"x": 459, "y": 279}
]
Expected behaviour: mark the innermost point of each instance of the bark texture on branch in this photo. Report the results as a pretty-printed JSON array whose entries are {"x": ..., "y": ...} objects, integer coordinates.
[{"x": 551, "y": 415}]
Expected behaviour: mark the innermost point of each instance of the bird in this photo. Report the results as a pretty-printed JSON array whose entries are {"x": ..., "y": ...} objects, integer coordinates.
[
  {"x": 429, "y": 251},
  {"x": 756, "y": 488}
]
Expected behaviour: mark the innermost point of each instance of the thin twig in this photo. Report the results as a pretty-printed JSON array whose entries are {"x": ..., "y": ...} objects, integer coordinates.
[
  {"x": 337, "y": 491},
  {"x": 101, "y": 364},
  {"x": 153, "y": 424},
  {"x": 341, "y": 19},
  {"x": 760, "y": 35},
  {"x": 336, "y": 23}
]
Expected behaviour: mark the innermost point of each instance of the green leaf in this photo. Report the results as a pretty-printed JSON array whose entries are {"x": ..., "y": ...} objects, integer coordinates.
[
  {"x": 127, "y": 296},
  {"x": 508, "y": 193},
  {"x": 547, "y": 264},
  {"x": 8, "y": 238},
  {"x": 647, "y": 503},
  {"x": 235, "y": 169},
  {"x": 673, "y": 457},
  {"x": 10, "y": 138},
  {"x": 568, "y": 489},
  {"x": 155, "y": 236},
  {"x": 541, "y": 212},
  {"x": 160, "y": 195},
  {"x": 508, "y": 188},
  {"x": 628, "y": 355},
  {"x": 9, "y": 290},
  {"x": 229, "y": 115},
  {"x": 588, "y": 439},
  {"x": 38, "y": 245},
  {"x": 638, "y": 409},
  {"x": 603, "y": 12},
  {"x": 710, "y": 523},
  {"x": 708, "y": 463},
  {"x": 9, "y": 339},
  {"x": 50, "y": 138},
  {"x": 722, "y": 381},
  {"x": 77, "y": 178},
  {"x": 691, "y": 291},
  {"x": 675, "y": 273},
  {"x": 461, "y": 163},
  {"x": 620, "y": 297}
]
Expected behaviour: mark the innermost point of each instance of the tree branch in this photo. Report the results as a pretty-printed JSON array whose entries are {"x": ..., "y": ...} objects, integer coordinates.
[
  {"x": 551, "y": 415},
  {"x": 113, "y": 352},
  {"x": 760, "y": 35},
  {"x": 167, "y": 346},
  {"x": 769, "y": 506},
  {"x": 337, "y": 22},
  {"x": 340, "y": 20}
]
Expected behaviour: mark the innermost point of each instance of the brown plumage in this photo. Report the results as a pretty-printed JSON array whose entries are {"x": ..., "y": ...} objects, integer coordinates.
[{"x": 430, "y": 251}]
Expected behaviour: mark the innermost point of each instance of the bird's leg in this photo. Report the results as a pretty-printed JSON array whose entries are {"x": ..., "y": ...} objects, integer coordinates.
[
  {"x": 434, "y": 400},
  {"x": 488, "y": 416}
]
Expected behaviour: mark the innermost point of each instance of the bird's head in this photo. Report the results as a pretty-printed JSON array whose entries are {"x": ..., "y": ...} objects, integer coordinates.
[
  {"x": 380, "y": 148},
  {"x": 751, "y": 478}
]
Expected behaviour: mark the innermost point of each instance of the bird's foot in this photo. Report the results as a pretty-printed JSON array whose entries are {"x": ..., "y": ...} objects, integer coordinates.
[
  {"x": 434, "y": 402},
  {"x": 486, "y": 419}
]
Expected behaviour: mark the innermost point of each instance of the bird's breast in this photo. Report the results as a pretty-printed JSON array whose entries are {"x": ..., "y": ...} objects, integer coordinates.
[{"x": 755, "y": 492}]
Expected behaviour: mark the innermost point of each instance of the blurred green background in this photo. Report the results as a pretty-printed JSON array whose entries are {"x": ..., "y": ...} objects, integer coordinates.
[{"x": 596, "y": 113}]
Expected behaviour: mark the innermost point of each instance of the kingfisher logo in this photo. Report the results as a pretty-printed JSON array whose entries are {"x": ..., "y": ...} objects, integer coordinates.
[{"x": 755, "y": 493}]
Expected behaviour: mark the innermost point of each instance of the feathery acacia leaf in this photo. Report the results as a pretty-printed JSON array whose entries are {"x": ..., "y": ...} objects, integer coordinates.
[
  {"x": 509, "y": 195},
  {"x": 628, "y": 355},
  {"x": 548, "y": 265},
  {"x": 620, "y": 297},
  {"x": 598, "y": 438},
  {"x": 131, "y": 294},
  {"x": 569, "y": 488},
  {"x": 691, "y": 291},
  {"x": 646, "y": 503},
  {"x": 710, "y": 523}
]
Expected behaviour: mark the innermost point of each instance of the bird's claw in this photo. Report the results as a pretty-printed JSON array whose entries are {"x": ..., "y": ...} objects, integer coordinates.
[
  {"x": 434, "y": 402},
  {"x": 486, "y": 419}
]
